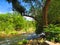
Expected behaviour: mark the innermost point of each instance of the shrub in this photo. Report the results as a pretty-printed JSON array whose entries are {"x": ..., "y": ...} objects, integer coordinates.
[
  {"x": 53, "y": 33},
  {"x": 24, "y": 41},
  {"x": 11, "y": 22}
]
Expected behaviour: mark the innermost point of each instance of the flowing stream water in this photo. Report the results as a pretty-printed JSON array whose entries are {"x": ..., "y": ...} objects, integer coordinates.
[{"x": 11, "y": 41}]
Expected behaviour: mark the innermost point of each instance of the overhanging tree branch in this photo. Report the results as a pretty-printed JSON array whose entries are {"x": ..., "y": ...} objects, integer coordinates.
[
  {"x": 17, "y": 6},
  {"x": 30, "y": 16}
]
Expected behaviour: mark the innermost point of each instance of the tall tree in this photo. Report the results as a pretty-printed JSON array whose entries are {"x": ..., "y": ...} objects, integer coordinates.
[{"x": 41, "y": 19}]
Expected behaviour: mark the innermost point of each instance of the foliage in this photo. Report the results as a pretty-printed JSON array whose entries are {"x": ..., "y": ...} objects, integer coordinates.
[
  {"x": 54, "y": 12},
  {"x": 53, "y": 33},
  {"x": 11, "y": 22},
  {"x": 24, "y": 41}
]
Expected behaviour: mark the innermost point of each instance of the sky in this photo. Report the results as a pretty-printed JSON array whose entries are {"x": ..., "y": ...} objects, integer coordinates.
[{"x": 5, "y": 6}]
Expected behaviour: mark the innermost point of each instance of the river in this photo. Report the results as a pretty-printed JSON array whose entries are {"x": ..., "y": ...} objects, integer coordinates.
[{"x": 11, "y": 41}]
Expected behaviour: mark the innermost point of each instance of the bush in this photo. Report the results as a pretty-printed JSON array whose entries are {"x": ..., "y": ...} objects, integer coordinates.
[
  {"x": 24, "y": 41},
  {"x": 11, "y": 22},
  {"x": 53, "y": 33},
  {"x": 14, "y": 22}
]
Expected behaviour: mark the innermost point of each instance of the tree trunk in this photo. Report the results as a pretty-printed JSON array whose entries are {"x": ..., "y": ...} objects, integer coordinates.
[
  {"x": 44, "y": 21},
  {"x": 45, "y": 13},
  {"x": 39, "y": 27}
]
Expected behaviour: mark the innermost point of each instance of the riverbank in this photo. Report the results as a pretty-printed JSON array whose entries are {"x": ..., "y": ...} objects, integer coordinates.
[
  {"x": 16, "y": 39},
  {"x": 40, "y": 42},
  {"x": 9, "y": 34}
]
